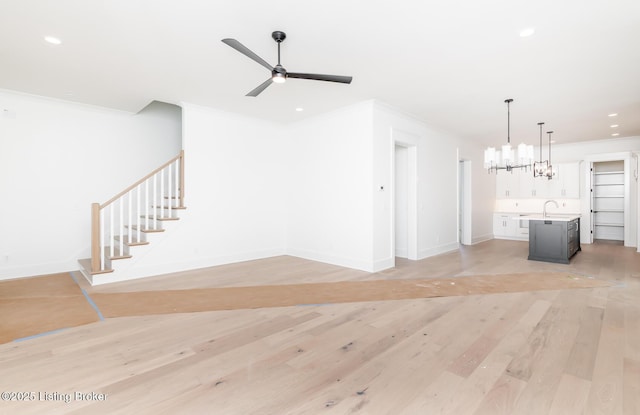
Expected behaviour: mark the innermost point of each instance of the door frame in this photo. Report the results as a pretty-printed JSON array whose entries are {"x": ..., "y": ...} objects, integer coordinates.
[
  {"x": 464, "y": 202},
  {"x": 408, "y": 141}
]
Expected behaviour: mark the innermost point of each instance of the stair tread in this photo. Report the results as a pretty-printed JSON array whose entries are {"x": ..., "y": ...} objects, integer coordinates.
[
  {"x": 160, "y": 218},
  {"x": 143, "y": 229},
  {"x": 133, "y": 242},
  {"x": 172, "y": 207}
]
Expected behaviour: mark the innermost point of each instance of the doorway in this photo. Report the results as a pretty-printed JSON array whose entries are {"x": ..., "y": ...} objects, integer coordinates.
[
  {"x": 405, "y": 216},
  {"x": 608, "y": 201}
]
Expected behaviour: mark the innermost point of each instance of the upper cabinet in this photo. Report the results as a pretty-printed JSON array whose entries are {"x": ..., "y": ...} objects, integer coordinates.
[
  {"x": 507, "y": 185},
  {"x": 565, "y": 184},
  {"x": 533, "y": 187}
]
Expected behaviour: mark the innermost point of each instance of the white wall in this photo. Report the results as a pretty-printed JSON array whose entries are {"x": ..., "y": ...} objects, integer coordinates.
[
  {"x": 437, "y": 185},
  {"x": 56, "y": 158},
  {"x": 579, "y": 151},
  {"x": 483, "y": 191},
  {"x": 234, "y": 193},
  {"x": 329, "y": 216}
]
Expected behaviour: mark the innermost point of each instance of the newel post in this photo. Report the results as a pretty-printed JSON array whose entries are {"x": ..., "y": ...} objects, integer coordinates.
[
  {"x": 181, "y": 200},
  {"x": 95, "y": 237}
]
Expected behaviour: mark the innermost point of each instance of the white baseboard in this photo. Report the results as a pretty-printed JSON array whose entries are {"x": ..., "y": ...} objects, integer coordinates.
[
  {"x": 332, "y": 259},
  {"x": 383, "y": 264},
  {"x": 512, "y": 238},
  {"x": 441, "y": 249},
  {"x": 481, "y": 238}
]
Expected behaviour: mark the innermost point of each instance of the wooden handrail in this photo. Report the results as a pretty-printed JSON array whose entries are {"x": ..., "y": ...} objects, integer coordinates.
[{"x": 125, "y": 191}]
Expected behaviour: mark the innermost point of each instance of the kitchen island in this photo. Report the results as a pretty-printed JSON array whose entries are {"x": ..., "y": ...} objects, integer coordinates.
[{"x": 553, "y": 238}]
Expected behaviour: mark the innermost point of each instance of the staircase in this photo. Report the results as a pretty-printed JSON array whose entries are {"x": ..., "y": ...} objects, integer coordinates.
[{"x": 124, "y": 225}]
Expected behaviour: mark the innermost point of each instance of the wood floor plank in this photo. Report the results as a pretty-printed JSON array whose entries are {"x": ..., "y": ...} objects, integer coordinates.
[
  {"x": 631, "y": 388},
  {"x": 571, "y": 396},
  {"x": 606, "y": 394},
  {"x": 501, "y": 398},
  {"x": 583, "y": 354}
]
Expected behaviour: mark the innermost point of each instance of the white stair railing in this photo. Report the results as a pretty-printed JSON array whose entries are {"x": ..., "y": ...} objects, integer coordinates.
[{"x": 123, "y": 219}]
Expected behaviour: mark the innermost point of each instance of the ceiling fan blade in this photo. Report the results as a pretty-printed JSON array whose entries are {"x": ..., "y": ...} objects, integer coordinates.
[
  {"x": 260, "y": 88},
  {"x": 318, "y": 77},
  {"x": 247, "y": 52}
]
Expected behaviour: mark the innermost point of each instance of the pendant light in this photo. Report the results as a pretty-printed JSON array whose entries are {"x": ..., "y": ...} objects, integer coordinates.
[
  {"x": 550, "y": 173},
  {"x": 540, "y": 167},
  {"x": 505, "y": 159}
]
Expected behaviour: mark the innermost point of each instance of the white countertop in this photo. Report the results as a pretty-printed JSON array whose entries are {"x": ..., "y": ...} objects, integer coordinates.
[{"x": 550, "y": 216}]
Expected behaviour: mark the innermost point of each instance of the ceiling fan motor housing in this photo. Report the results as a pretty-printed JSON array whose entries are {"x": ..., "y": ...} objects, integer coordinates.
[{"x": 278, "y": 36}]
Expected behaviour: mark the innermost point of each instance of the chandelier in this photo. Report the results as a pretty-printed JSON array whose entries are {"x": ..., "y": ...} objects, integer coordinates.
[{"x": 506, "y": 159}]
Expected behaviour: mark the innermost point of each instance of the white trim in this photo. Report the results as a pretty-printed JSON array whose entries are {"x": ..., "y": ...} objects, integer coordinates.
[
  {"x": 441, "y": 249},
  {"x": 383, "y": 264},
  {"x": 482, "y": 238},
  {"x": 359, "y": 264}
]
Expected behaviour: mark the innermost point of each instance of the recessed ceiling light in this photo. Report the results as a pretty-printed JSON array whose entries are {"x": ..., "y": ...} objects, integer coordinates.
[
  {"x": 615, "y": 134},
  {"x": 299, "y": 109},
  {"x": 527, "y": 32},
  {"x": 614, "y": 125},
  {"x": 613, "y": 114},
  {"x": 52, "y": 40}
]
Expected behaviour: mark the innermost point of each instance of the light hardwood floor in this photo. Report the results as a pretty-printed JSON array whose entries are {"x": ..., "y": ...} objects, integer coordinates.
[{"x": 536, "y": 352}]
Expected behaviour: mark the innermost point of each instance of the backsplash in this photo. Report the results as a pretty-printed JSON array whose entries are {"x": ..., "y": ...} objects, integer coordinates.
[{"x": 536, "y": 205}]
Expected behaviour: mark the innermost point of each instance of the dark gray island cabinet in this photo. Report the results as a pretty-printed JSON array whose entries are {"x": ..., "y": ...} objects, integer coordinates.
[{"x": 554, "y": 239}]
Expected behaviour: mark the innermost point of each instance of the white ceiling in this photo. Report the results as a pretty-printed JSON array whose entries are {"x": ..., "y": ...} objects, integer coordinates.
[{"x": 449, "y": 63}]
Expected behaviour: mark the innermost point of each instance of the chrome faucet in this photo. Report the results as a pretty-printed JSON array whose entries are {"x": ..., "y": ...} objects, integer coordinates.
[{"x": 544, "y": 209}]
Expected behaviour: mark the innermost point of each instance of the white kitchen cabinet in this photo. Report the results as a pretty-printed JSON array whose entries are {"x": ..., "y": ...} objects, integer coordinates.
[
  {"x": 507, "y": 225},
  {"x": 522, "y": 185},
  {"x": 566, "y": 183},
  {"x": 533, "y": 187},
  {"x": 504, "y": 226},
  {"x": 507, "y": 185}
]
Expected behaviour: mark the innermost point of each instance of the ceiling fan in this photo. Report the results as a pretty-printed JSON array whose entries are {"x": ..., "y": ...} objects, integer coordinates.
[{"x": 278, "y": 73}]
